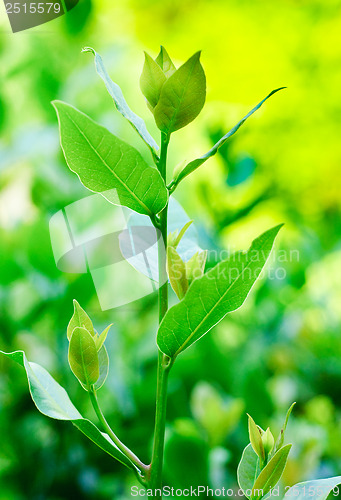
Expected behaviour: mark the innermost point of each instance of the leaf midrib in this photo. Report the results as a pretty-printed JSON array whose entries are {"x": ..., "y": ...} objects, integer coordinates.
[{"x": 109, "y": 168}]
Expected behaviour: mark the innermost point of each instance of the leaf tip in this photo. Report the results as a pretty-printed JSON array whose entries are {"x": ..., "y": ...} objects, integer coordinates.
[
  {"x": 147, "y": 56},
  {"x": 279, "y": 227},
  {"x": 56, "y": 103},
  {"x": 108, "y": 327},
  {"x": 276, "y": 90},
  {"x": 194, "y": 58},
  {"x": 273, "y": 231},
  {"x": 88, "y": 49}
]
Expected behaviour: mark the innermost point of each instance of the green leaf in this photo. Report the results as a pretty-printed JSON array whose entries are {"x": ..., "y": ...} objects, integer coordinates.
[
  {"x": 318, "y": 489},
  {"x": 152, "y": 80},
  {"x": 176, "y": 272},
  {"x": 165, "y": 62},
  {"x": 280, "y": 439},
  {"x": 79, "y": 318},
  {"x": 182, "y": 96},
  {"x": 255, "y": 435},
  {"x": 248, "y": 470},
  {"x": 83, "y": 357},
  {"x": 103, "y": 362},
  {"x": 271, "y": 474},
  {"x": 107, "y": 165},
  {"x": 193, "y": 165},
  {"x": 101, "y": 338},
  {"x": 120, "y": 102},
  {"x": 221, "y": 290},
  {"x": 52, "y": 400}
]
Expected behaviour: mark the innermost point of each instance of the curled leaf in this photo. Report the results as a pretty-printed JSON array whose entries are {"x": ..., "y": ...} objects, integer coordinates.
[
  {"x": 255, "y": 434},
  {"x": 121, "y": 104},
  {"x": 280, "y": 439},
  {"x": 176, "y": 269},
  {"x": 194, "y": 164}
]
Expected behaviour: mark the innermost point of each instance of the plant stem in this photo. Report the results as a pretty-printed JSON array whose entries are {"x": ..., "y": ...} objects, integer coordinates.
[
  {"x": 163, "y": 361},
  {"x": 162, "y": 246},
  {"x": 122, "y": 447},
  {"x": 160, "y": 423}
]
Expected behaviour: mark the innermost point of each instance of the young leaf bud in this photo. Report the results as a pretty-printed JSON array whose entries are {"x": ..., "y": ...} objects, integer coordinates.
[
  {"x": 255, "y": 434},
  {"x": 182, "y": 96},
  {"x": 154, "y": 75},
  {"x": 176, "y": 270},
  {"x": 268, "y": 441},
  {"x": 81, "y": 319},
  {"x": 151, "y": 81},
  {"x": 165, "y": 62},
  {"x": 195, "y": 266}
]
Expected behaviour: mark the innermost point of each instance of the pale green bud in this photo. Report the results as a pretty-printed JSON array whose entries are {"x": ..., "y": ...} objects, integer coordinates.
[{"x": 268, "y": 441}]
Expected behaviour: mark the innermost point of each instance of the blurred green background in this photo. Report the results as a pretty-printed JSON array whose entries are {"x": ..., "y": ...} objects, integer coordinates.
[{"x": 284, "y": 345}]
